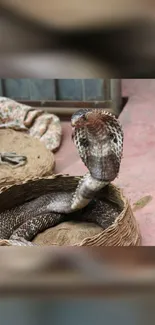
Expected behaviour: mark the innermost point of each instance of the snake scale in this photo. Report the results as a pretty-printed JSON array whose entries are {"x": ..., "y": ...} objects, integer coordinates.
[{"x": 98, "y": 137}]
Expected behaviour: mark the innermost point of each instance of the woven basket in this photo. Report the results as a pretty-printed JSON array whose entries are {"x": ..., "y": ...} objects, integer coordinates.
[
  {"x": 123, "y": 232},
  {"x": 40, "y": 160}
]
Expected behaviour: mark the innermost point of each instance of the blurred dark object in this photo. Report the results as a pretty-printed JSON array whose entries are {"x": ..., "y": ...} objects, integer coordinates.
[
  {"x": 116, "y": 49},
  {"x": 77, "y": 271}
]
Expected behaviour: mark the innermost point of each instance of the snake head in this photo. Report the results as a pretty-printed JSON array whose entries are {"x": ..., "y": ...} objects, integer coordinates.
[{"x": 98, "y": 136}]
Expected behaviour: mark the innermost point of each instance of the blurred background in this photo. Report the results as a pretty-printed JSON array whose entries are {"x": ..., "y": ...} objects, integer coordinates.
[
  {"x": 80, "y": 286},
  {"x": 80, "y": 40},
  {"x": 76, "y": 39},
  {"x": 112, "y": 285}
]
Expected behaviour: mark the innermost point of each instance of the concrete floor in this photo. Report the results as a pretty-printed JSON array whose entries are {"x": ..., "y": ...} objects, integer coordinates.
[{"x": 137, "y": 173}]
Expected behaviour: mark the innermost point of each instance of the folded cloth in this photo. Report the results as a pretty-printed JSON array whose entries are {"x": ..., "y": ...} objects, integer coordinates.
[{"x": 44, "y": 126}]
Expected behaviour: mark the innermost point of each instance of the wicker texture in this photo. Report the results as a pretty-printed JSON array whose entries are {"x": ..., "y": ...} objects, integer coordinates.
[
  {"x": 40, "y": 161},
  {"x": 123, "y": 232}
]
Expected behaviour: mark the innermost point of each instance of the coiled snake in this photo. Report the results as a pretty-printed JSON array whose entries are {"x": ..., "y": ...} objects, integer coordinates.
[{"x": 98, "y": 136}]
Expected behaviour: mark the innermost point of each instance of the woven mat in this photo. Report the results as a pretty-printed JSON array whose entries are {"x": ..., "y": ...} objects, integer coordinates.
[{"x": 40, "y": 160}]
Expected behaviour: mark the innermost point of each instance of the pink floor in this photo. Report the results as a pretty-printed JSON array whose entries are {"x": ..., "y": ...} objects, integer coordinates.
[{"x": 137, "y": 174}]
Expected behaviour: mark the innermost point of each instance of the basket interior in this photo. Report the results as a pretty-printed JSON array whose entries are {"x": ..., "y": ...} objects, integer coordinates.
[{"x": 20, "y": 193}]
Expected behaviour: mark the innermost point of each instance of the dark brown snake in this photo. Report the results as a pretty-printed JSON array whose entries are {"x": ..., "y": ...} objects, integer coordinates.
[{"x": 98, "y": 136}]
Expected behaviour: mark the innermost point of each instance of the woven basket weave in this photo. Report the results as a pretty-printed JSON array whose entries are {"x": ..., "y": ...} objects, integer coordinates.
[
  {"x": 40, "y": 160},
  {"x": 123, "y": 232}
]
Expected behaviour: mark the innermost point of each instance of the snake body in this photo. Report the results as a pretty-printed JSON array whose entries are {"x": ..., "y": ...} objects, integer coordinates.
[{"x": 98, "y": 136}]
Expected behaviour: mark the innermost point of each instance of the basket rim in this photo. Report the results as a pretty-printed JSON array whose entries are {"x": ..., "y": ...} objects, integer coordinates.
[{"x": 118, "y": 219}]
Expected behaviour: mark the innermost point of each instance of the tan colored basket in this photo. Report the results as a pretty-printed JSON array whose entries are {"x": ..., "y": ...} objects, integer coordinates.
[
  {"x": 123, "y": 232},
  {"x": 40, "y": 159}
]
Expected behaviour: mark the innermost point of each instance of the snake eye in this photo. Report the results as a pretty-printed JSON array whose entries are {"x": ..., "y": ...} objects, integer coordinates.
[{"x": 84, "y": 117}]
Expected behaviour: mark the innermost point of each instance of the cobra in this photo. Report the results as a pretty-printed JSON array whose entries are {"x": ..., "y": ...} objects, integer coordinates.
[{"x": 98, "y": 137}]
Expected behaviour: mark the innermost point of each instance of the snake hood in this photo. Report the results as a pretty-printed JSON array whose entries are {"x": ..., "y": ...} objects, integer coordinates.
[{"x": 98, "y": 136}]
